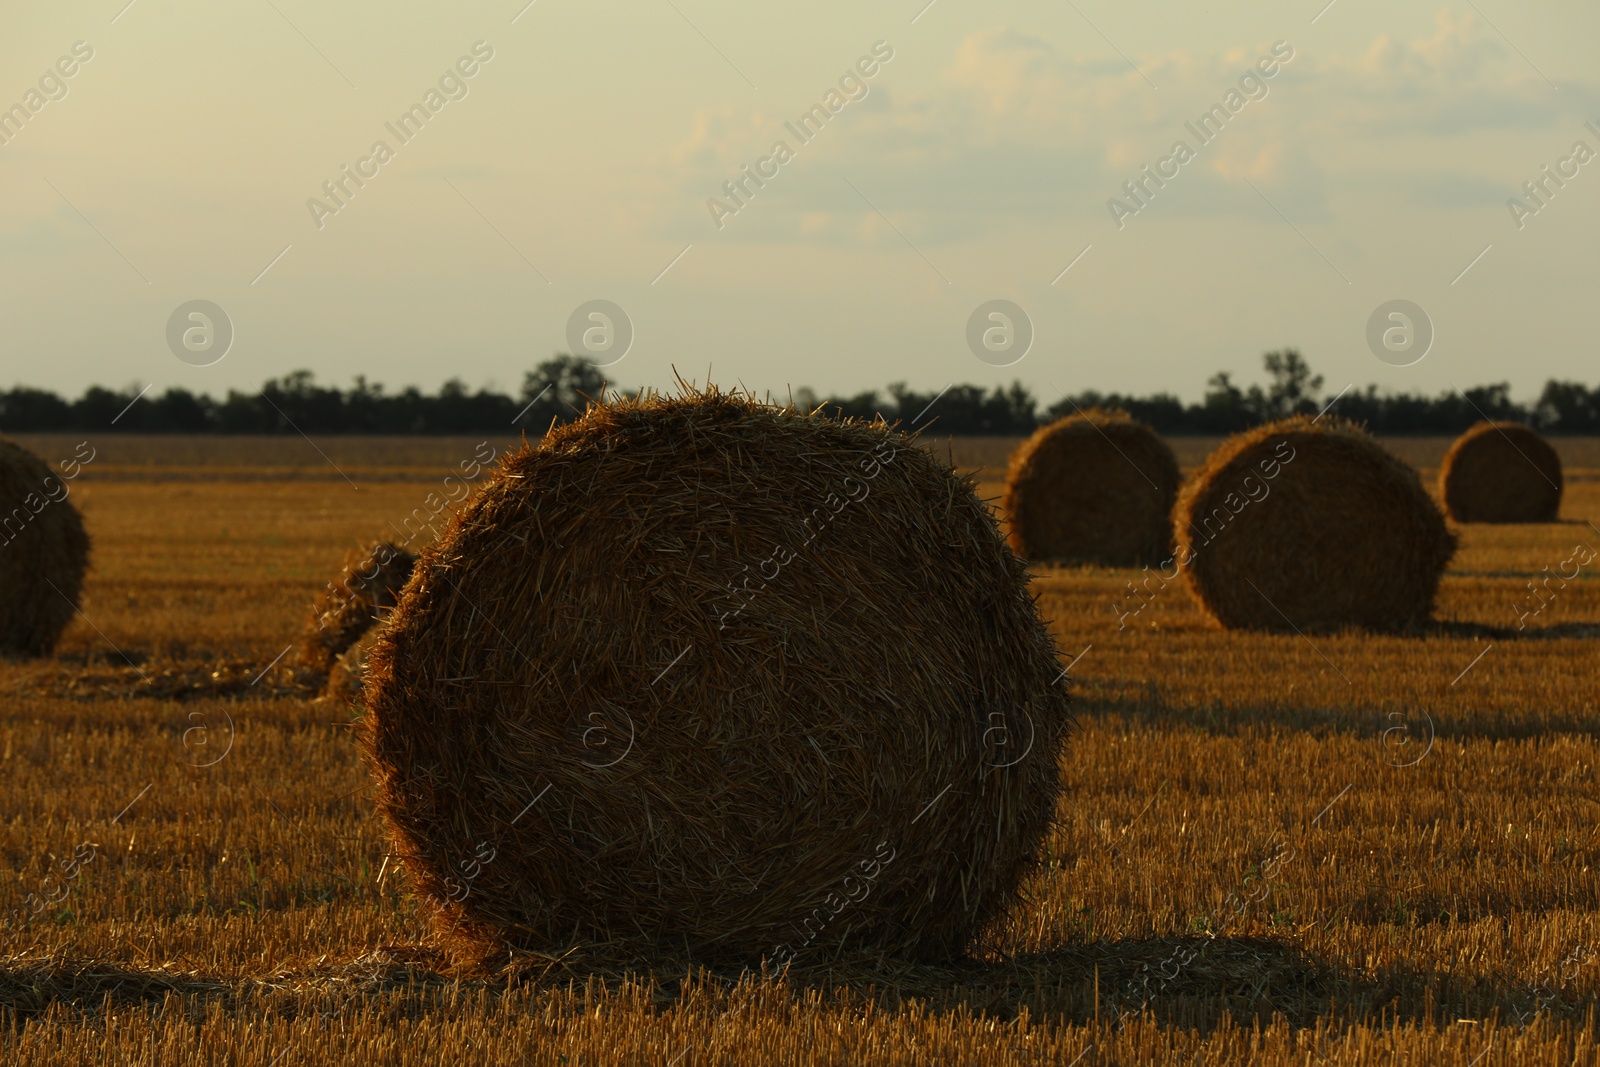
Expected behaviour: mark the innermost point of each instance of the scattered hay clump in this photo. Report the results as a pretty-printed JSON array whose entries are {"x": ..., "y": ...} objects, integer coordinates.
[
  {"x": 1307, "y": 525},
  {"x": 368, "y": 585},
  {"x": 44, "y": 553},
  {"x": 1092, "y": 488},
  {"x": 702, "y": 674},
  {"x": 1501, "y": 472},
  {"x": 348, "y": 674}
]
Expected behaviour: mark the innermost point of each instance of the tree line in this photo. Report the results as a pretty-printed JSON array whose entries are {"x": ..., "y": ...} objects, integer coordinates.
[{"x": 557, "y": 390}]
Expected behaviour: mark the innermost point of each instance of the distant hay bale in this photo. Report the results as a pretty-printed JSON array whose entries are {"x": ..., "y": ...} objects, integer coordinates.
[
  {"x": 1501, "y": 472},
  {"x": 1095, "y": 487},
  {"x": 43, "y": 554},
  {"x": 1310, "y": 525},
  {"x": 722, "y": 677},
  {"x": 368, "y": 585},
  {"x": 349, "y": 672}
]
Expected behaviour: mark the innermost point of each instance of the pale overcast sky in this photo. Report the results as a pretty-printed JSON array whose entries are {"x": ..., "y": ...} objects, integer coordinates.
[{"x": 576, "y": 162}]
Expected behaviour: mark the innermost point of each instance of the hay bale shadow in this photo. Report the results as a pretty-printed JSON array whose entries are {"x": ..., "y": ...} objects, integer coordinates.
[
  {"x": 147, "y": 678},
  {"x": 1192, "y": 983},
  {"x": 1552, "y": 632},
  {"x": 33, "y": 987},
  {"x": 30, "y": 988},
  {"x": 1236, "y": 720}
]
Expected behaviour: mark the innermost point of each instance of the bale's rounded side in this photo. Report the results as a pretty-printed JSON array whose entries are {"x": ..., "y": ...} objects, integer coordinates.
[
  {"x": 1501, "y": 472},
  {"x": 44, "y": 553},
  {"x": 366, "y": 586},
  {"x": 727, "y": 678},
  {"x": 1310, "y": 525},
  {"x": 1095, "y": 487}
]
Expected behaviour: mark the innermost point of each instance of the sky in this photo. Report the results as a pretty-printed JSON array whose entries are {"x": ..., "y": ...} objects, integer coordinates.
[{"x": 970, "y": 153}]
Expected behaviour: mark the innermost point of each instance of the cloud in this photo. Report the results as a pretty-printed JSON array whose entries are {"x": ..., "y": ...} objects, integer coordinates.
[
  {"x": 1005, "y": 72},
  {"x": 1014, "y": 131},
  {"x": 1459, "y": 51}
]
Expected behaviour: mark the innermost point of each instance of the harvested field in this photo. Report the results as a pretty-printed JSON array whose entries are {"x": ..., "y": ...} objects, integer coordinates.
[{"x": 1343, "y": 848}]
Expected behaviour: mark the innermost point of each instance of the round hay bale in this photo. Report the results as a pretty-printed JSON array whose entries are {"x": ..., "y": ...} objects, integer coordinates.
[
  {"x": 43, "y": 553},
  {"x": 1096, "y": 488},
  {"x": 1306, "y": 525},
  {"x": 723, "y": 678},
  {"x": 1501, "y": 472},
  {"x": 367, "y": 585}
]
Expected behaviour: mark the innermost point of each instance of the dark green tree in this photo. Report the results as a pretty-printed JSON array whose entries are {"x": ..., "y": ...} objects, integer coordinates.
[
  {"x": 559, "y": 389},
  {"x": 1293, "y": 388}
]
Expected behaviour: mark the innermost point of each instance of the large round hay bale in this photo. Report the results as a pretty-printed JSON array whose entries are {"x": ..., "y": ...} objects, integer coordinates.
[
  {"x": 43, "y": 553},
  {"x": 1309, "y": 524},
  {"x": 366, "y": 586},
  {"x": 1096, "y": 487},
  {"x": 723, "y": 678},
  {"x": 1501, "y": 472}
]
